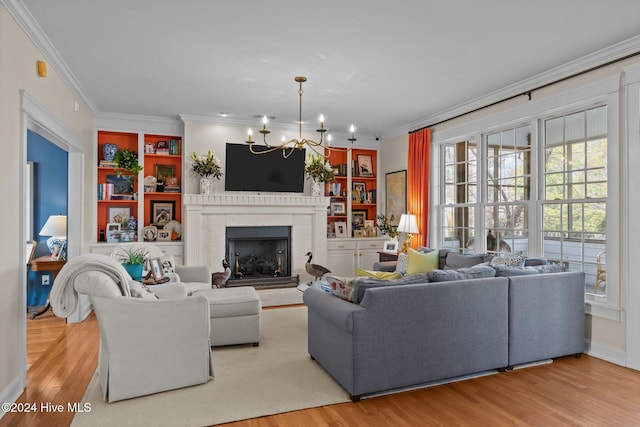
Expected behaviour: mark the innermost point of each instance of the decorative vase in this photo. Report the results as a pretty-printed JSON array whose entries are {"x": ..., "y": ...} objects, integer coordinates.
[
  {"x": 317, "y": 188},
  {"x": 134, "y": 270},
  {"x": 205, "y": 185},
  {"x": 132, "y": 224},
  {"x": 109, "y": 151}
]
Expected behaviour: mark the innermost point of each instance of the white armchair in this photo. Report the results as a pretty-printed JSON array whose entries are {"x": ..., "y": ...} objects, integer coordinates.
[{"x": 147, "y": 345}]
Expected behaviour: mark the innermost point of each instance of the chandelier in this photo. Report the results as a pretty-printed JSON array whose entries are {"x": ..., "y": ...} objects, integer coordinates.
[{"x": 287, "y": 147}]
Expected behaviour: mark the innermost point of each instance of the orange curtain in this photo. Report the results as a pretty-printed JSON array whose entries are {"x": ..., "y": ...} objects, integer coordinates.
[{"x": 418, "y": 183}]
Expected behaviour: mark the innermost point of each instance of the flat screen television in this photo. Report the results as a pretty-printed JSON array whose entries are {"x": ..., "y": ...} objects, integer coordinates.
[{"x": 267, "y": 172}]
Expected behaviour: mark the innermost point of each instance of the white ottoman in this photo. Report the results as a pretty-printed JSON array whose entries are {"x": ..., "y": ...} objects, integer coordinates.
[{"x": 235, "y": 315}]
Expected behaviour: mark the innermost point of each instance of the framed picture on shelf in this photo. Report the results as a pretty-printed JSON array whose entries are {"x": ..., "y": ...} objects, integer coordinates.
[
  {"x": 358, "y": 217},
  {"x": 164, "y": 235},
  {"x": 118, "y": 214},
  {"x": 113, "y": 232},
  {"x": 368, "y": 223},
  {"x": 338, "y": 208},
  {"x": 121, "y": 184},
  {"x": 162, "y": 172},
  {"x": 359, "y": 233},
  {"x": 360, "y": 187},
  {"x": 341, "y": 229},
  {"x": 162, "y": 212},
  {"x": 390, "y": 247},
  {"x": 365, "y": 165}
]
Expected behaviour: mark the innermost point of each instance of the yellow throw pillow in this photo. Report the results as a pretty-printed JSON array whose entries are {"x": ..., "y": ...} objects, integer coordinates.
[
  {"x": 421, "y": 263},
  {"x": 384, "y": 275}
]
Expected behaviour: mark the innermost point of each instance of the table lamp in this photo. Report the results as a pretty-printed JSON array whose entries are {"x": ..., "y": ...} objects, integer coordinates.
[
  {"x": 408, "y": 224},
  {"x": 56, "y": 227}
]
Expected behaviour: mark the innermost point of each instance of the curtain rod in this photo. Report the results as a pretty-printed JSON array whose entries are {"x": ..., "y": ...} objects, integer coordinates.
[{"x": 530, "y": 91}]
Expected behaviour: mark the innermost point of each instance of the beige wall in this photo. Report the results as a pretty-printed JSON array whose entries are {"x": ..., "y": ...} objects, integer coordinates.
[{"x": 18, "y": 71}]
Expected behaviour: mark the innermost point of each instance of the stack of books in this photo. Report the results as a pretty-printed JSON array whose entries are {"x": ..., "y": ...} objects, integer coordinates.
[
  {"x": 171, "y": 188},
  {"x": 105, "y": 191},
  {"x": 108, "y": 164}
]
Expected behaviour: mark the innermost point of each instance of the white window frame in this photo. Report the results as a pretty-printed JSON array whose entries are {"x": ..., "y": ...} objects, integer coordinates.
[{"x": 603, "y": 91}]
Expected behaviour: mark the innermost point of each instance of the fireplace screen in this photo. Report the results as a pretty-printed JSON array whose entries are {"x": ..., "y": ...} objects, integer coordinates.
[{"x": 258, "y": 252}]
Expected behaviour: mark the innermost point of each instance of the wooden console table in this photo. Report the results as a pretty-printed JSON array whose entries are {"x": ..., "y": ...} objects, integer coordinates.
[
  {"x": 46, "y": 263},
  {"x": 386, "y": 256}
]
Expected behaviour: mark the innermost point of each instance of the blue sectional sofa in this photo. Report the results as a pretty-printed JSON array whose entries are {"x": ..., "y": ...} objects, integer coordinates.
[{"x": 409, "y": 334}]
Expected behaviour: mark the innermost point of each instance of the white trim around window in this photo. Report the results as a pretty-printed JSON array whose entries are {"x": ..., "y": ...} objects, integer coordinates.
[{"x": 598, "y": 92}]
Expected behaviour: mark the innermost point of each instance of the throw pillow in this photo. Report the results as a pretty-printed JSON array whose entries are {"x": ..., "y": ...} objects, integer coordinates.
[
  {"x": 384, "y": 275},
  {"x": 510, "y": 260},
  {"x": 168, "y": 264},
  {"x": 402, "y": 263},
  {"x": 421, "y": 263},
  {"x": 138, "y": 290},
  {"x": 475, "y": 272},
  {"x": 341, "y": 287}
]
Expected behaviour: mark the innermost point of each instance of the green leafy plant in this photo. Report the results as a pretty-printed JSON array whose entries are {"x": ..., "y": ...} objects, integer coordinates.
[
  {"x": 131, "y": 255},
  {"x": 206, "y": 165},
  {"x": 127, "y": 160},
  {"x": 319, "y": 169},
  {"x": 386, "y": 227}
]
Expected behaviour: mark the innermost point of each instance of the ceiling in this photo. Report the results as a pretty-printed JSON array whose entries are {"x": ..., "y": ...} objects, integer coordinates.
[{"x": 378, "y": 64}]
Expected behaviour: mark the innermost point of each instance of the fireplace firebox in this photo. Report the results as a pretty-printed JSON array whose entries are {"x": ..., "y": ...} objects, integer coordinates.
[{"x": 259, "y": 256}]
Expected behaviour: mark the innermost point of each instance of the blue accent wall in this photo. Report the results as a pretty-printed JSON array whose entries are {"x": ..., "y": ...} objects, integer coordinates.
[{"x": 50, "y": 194}]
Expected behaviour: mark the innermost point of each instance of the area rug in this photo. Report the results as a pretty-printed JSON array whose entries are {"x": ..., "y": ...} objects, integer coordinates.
[{"x": 278, "y": 376}]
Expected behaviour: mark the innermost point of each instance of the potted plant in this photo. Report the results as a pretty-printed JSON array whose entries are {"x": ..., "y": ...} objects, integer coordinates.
[
  {"x": 206, "y": 166},
  {"x": 386, "y": 227},
  {"x": 320, "y": 171},
  {"x": 127, "y": 160},
  {"x": 133, "y": 261}
]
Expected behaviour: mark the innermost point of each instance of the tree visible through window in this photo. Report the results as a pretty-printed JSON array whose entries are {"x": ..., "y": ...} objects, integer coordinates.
[{"x": 574, "y": 209}]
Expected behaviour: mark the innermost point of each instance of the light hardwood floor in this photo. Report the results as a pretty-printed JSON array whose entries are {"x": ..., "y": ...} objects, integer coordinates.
[{"x": 582, "y": 391}]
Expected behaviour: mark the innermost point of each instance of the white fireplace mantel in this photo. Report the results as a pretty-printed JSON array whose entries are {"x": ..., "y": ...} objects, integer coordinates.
[{"x": 205, "y": 218}]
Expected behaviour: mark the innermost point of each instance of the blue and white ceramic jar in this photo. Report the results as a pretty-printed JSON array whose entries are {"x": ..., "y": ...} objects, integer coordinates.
[
  {"x": 109, "y": 151},
  {"x": 132, "y": 224}
]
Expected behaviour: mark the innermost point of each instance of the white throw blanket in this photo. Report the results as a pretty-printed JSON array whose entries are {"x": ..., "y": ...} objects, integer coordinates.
[{"x": 64, "y": 298}]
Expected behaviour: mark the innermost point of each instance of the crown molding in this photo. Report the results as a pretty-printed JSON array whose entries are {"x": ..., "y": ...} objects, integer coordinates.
[
  {"x": 604, "y": 56},
  {"x": 35, "y": 33},
  {"x": 138, "y": 122}
]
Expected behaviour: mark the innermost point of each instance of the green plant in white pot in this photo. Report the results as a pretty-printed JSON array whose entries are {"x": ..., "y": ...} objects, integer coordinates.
[{"x": 132, "y": 260}]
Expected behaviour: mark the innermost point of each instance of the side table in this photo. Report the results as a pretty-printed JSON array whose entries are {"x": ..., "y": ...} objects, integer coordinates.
[
  {"x": 46, "y": 263},
  {"x": 386, "y": 256}
]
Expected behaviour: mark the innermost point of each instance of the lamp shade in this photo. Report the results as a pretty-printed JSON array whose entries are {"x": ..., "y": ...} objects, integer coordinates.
[
  {"x": 408, "y": 224},
  {"x": 55, "y": 226}
]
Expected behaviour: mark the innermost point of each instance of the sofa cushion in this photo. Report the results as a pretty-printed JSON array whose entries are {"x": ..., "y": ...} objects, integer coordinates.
[
  {"x": 455, "y": 261},
  {"x": 361, "y": 284},
  {"x": 384, "y": 275},
  {"x": 510, "y": 270},
  {"x": 511, "y": 260},
  {"x": 421, "y": 263},
  {"x": 476, "y": 272}
]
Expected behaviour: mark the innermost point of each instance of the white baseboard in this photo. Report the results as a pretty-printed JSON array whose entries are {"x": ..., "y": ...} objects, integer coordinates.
[
  {"x": 11, "y": 393},
  {"x": 605, "y": 352}
]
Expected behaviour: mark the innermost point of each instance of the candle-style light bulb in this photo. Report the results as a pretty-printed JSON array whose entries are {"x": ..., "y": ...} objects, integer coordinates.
[
  {"x": 249, "y": 135},
  {"x": 352, "y": 129},
  {"x": 329, "y": 138},
  {"x": 283, "y": 139},
  {"x": 264, "y": 122},
  {"x": 321, "y": 121}
]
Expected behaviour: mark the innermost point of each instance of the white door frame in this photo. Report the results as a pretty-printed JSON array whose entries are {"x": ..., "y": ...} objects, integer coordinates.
[{"x": 36, "y": 118}]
